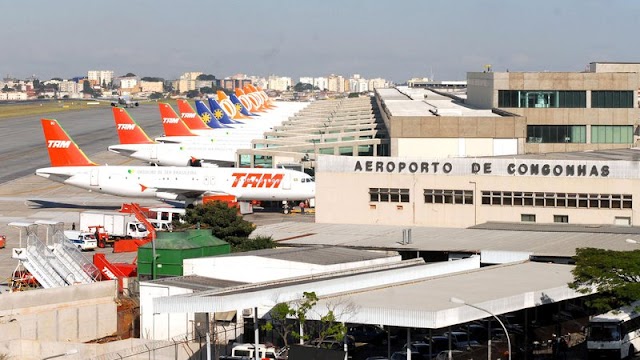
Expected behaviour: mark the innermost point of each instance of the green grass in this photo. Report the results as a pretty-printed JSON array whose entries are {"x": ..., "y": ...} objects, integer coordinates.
[{"x": 52, "y": 106}]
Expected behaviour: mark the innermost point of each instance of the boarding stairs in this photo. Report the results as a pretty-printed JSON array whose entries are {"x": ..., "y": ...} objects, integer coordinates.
[
  {"x": 84, "y": 271},
  {"x": 35, "y": 259}
]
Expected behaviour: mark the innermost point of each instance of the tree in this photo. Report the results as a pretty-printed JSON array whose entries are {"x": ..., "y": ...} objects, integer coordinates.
[
  {"x": 206, "y": 77},
  {"x": 300, "y": 87},
  {"x": 353, "y": 95},
  {"x": 615, "y": 275},
  {"x": 56, "y": 78},
  {"x": 193, "y": 93},
  {"x": 281, "y": 314},
  {"x": 86, "y": 87},
  {"x": 152, "y": 79},
  {"x": 155, "y": 95},
  {"x": 130, "y": 75},
  {"x": 207, "y": 90},
  {"x": 226, "y": 224}
]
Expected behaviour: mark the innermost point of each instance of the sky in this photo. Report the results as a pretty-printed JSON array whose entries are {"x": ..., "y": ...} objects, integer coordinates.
[{"x": 396, "y": 40}]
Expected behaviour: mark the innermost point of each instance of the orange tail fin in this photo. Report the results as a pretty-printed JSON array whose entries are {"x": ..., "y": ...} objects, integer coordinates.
[
  {"x": 190, "y": 116},
  {"x": 128, "y": 131},
  {"x": 223, "y": 98},
  {"x": 63, "y": 151},
  {"x": 173, "y": 125}
]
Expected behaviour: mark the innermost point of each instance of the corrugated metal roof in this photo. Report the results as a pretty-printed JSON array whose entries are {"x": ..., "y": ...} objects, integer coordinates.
[
  {"x": 540, "y": 243},
  {"x": 319, "y": 255},
  {"x": 196, "y": 283},
  {"x": 417, "y": 298},
  {"x": 632, "y": 154}
]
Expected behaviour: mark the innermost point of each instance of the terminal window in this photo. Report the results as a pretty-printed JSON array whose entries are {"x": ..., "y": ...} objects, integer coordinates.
[
  {"x": 528, "y": 217},
  {"x": 557, "y": 134},
  {"x": 551, "y": 199},
  {"x": 561, "y": 219},
  {"x": 542, "y": 99},
  {"x": 388, "y": 195},
  {"x": 612, "y": 99},
  {"x": 442, "y": 196},
  {"x": 611, "y": 134}
]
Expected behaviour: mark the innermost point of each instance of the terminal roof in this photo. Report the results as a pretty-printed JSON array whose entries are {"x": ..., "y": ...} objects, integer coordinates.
[
  {"x": 632, "y": 154},
  {"x": 318, "y": 255}
]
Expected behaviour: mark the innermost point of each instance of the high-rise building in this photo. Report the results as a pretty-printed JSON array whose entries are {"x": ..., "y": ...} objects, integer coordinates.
[
  {"x": 306, "y": 80},
  {"x": 100, "y": 76},
  {"x": 279, "y": 83},
  {"x": 320, "y": 83}
]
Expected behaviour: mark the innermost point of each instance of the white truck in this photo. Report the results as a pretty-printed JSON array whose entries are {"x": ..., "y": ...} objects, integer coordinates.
[
  {"x": 117, "y": 225},
  {"x": 245, "y": 352}
]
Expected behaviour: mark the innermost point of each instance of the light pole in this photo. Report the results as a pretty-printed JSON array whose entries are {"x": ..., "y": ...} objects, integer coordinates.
[{"x": 460, "y": 301}]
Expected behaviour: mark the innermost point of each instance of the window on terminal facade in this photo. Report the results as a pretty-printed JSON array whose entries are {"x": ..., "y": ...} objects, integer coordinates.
[
  {"x": 612, "y": 99},
  {"x": 561, "y": 219},
  {"x": 557, "y": 134},
  {"x": 557, "y": 200},
  {"x": 542, "y": 99},
  {"x": 442, "y": 196},
  {"x": 388, "y": 195},
  {"x": 528, "y": 217},
  {"x": 611, "y": 134}
]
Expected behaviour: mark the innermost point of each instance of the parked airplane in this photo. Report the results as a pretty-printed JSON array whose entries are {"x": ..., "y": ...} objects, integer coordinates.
[
  {"x": 135, "y": 143},
  {"x": 125, "y": 101},
  {"x": 190, "y": 184}
]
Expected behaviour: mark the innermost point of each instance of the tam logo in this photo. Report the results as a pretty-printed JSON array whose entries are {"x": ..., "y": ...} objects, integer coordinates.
[
  {"x": 109, "y": 274},
  {"x": 170, "y": 120},
  {"x": 59, "y": 144},
  {"x": 126, "y": 126},
  {"x": 257, "y": 180},
  {"x": 188, "y": 115}
]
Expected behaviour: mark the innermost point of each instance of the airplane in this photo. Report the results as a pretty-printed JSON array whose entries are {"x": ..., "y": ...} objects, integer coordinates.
[
  {"x": 136, "y": 144},
  {"x": 126, "y": 101},
  {"x": 193, "y": 185}
]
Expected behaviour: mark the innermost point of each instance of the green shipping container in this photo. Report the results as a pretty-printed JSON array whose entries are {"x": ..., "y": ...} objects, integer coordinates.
[{"x": 173, "y": 247}]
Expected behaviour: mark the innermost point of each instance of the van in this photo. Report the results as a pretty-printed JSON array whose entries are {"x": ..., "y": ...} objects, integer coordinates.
[
  {"x": 161, "y": 225},
  {"x": 84, "y": 241}
]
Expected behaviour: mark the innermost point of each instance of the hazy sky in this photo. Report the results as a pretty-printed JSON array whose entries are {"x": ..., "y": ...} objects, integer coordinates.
[{"x": 396, "y": 39}]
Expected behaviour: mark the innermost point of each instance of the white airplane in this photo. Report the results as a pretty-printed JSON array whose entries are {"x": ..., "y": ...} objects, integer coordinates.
[
  {"x": 135, "y": 143},
  {"x": 193, "y": 185},
  {"x": 125, "y": 101},
  {"x": 176, "y": 129}
]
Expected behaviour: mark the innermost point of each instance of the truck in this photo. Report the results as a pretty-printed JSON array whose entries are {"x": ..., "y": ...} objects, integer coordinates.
[
  {"x": 245, "y": 352},
  {"x": 117, "y": 225}
]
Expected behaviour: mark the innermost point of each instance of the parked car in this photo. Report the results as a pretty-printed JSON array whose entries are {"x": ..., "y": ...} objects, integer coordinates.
[
  {"x": 365, "y": 333},
  {"x": 331, "y": 342},
  {"x": 402, "y": 355},
  {"x": 82, "y": 240},
  {"x": 461, "y": 340},
  {"x": 455, "y": 354},
  {"x": 422, "y": 348}
]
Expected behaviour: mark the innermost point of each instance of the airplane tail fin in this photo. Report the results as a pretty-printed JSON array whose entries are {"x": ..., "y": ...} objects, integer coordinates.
[
  {"x": 233, "y": 109},
  {"x": 240, "y": 106},
  {"x": 190, "y": 116},
  {"x": 63, "y": 151},
  {"x": 207, "y": 115},
  {"x": 171, "y": 122},
  {"x": 219, "y": 113},
  {"x": 246, "y": 101},
  {"x": 128, "y": 130},
  {"x": 256, "y": 100},
  {"x": 266, "y": 98}
]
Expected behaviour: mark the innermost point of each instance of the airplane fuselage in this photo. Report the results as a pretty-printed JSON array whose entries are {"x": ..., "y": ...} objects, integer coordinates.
[{"x": 186, "y": 183}]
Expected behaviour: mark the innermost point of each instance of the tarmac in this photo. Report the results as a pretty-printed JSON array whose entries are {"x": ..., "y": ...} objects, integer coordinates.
[{"x": 25, "y": 197}]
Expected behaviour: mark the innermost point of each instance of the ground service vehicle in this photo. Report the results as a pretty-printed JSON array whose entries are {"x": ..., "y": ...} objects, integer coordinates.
[
  {"x": 117, "y": 225},
  {"x": 84, "y": 241},
  {"x": 3, "y": 241},
  {"x": 245, "y": 351},
  {"x": 615, "y": 334}
]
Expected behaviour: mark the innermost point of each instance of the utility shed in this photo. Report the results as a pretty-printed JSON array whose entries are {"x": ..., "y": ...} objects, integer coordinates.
[{"x": 173, "y": 247}]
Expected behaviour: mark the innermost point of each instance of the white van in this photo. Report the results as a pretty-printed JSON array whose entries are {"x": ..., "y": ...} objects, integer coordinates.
[
  {"x": 161, "y": 225},
  {"x": 84, "y": 241}
]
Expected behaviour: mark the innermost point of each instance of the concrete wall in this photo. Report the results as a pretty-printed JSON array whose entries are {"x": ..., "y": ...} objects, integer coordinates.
[
  {"x": 453, "y": 147},
  {"x": 162, "y": 326},
  {"x": 74, "y": 313},
  {"x": 354, "y": 206}
]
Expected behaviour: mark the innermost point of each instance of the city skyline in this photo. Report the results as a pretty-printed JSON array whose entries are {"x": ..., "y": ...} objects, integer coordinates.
[{"x": 375, "y": 39}]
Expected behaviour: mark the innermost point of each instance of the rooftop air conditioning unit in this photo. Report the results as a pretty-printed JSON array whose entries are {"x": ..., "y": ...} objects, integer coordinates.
[{"x": 247, "y": 312}]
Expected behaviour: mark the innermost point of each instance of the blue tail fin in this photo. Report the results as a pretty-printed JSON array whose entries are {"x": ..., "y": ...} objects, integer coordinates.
[
  {"x": 243, "y": 110},
  {"x": 207, "y": 116},
  {"x": 219, "y": 113}
]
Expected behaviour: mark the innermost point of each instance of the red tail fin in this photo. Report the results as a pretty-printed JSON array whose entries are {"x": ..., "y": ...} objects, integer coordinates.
[
  {"x": 190, "y": 117},
  {"x": 128, "y": 131},
  {"x": 173, "y": 125},
  {"x": 63, "y": 151}
]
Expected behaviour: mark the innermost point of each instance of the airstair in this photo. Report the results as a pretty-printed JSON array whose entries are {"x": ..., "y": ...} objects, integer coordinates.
[
  {"x": 56, "y": 265},
  {"x": 34, "y": 257},
  {"x": 83, "y": 271}
]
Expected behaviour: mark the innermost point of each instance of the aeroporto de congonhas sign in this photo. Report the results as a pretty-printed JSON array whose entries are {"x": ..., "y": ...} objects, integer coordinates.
[{"x": 482, "y": 166}]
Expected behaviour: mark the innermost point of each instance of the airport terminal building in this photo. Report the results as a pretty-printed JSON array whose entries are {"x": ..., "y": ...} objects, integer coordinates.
[{"x": 573, "y": 188}]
